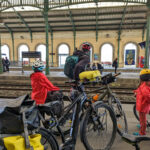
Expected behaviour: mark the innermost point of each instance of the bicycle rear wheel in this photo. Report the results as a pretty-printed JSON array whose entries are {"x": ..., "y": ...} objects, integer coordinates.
[
  {"x": 66, "y": 124},
  {"x": 48, "y": 140},
  {"x": 122, "y": 126},
  {"x": 98, "y": 130}
]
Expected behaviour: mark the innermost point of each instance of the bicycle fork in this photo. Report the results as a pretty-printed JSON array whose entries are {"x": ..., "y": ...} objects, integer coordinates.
[{"x": 71, "y": 141}]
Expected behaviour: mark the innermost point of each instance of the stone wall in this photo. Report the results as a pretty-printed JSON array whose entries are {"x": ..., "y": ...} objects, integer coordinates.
[{"x": 111, "y": 37}]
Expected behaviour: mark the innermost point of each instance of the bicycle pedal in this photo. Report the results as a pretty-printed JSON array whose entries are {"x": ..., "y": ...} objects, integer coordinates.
[{"x": 66, "y": 147}]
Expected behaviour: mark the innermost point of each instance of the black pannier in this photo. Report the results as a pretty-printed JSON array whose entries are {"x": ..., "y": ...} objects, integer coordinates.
[{"x": 11, "y": 117}]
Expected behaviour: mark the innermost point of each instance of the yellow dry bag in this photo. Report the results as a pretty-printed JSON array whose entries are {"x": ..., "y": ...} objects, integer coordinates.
[
  {"x": 90, "y": 75},
  {"x": 18, "y": 142}
]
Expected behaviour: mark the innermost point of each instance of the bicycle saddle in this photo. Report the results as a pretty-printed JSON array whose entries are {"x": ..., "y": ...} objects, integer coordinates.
[{"x": 134, "y": 139}]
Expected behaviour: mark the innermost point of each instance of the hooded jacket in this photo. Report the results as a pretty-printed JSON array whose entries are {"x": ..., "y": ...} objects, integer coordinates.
[
  {"x": 84, "y": 59},
  {"x": 143, "y": 98},
  {"x": 40, "y": 86}
]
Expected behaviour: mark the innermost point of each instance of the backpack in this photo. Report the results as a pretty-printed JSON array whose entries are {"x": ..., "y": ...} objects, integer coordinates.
[{"x": 70, "y": 63}]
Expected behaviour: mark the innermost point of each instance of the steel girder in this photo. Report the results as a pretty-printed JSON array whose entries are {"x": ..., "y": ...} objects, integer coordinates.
[
  {"x": 57, "y": 3},
  {"x": 51, "y": 33},
  {"x": 20, "y": 17},
  {"x": 120, "y": 29},
  {"x": 73, "y": 27}
]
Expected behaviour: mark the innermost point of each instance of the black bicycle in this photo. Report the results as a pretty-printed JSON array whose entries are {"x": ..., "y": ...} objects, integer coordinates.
[
  {"x": 98, "y": 122},
  {"x": 113, "y": 102}
]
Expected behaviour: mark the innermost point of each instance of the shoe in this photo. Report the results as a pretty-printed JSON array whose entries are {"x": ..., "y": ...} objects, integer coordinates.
[
  {"x": 136, "y": 133},
  {"x": 138, "y": 126}
]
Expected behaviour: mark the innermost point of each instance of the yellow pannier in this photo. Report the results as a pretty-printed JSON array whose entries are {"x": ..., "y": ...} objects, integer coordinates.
[
  {"x": 90, "y": 75},
  {"x": 18, "y": 142}
]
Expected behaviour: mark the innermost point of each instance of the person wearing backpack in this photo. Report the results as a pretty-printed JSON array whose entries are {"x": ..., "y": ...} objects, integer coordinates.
[
  {"x": 42, "y": 88},
  {"x": 76, "y": 63},
  {"x": 84, "y": 59}
]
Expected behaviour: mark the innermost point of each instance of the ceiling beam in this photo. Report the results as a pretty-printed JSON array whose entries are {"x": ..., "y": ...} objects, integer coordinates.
[
  {"x": 62, "y": 30},
  {"x": 21, "y": 18},
  {"x": 120, "y": 30},
  {"x": 83, "y": 25},
  {"x": 76, "y": 20},
  {"x": 78, "y": 15}
]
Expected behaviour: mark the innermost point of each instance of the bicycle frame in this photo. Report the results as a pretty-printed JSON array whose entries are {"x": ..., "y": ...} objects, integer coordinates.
[
  {"x": 107, "y": 92},
  {"x": 76, "y": 106}
]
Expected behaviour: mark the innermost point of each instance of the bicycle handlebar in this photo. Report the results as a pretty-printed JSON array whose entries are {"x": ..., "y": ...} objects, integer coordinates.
[{"x": 92, "y": 82}]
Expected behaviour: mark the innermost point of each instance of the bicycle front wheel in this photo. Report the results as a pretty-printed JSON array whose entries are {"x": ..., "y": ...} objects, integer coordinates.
[
  {"x": 98, "y": 127},
  {"x": 122, "y": 126},
  {"x": 48, "y": 140}
]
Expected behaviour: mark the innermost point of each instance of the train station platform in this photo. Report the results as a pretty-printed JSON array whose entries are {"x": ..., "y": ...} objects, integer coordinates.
[{"x": 15, "y": 83}]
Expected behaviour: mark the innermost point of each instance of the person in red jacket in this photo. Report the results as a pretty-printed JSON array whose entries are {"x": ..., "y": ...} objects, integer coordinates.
[
  {"x": 143, "y": 99},
  {"x": 41, "y": 86}
]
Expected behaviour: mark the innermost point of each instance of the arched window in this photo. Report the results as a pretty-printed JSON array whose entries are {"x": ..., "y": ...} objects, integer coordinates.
[
  {"x": 91, "y": 50},
  {"x": 23, "y": 48},
  {"x": 106, "y": 54},
  {"x": 63, "y": 52},
  {"x": 5, "y": 51},
  {"x": 130, "y": 52},
  {"x": 42, "y": 48}
]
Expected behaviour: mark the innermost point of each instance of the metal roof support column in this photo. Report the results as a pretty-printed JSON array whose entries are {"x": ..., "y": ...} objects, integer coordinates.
[
  {"x": 96, "y": 20},
  {"x": 74, "y": 28},
  {"x": 46, "y": 6},
  {"x": 146, "y": 64},
  {"x": 119, "y": 32},
  {"x": 1, "y": 66},
  {"x": 143, "y": 32},
  {"x": 12, "y": 38},
  {"x": 51, "y": 31},
  {"x": 52, "y": 47}
]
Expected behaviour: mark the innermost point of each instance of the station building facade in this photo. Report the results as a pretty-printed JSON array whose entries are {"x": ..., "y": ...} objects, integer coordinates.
[{"x": 105, "y": 49}]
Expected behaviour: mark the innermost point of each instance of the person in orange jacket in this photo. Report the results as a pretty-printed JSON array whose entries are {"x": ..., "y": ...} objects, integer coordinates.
[
  {"x": 143, "y": 99},
  {"x": 41, "y": 86}
]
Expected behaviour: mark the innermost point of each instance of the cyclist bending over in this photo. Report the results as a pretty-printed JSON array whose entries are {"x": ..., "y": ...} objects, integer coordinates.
[
  {"x": 84, "y": 59},
  {"x": 41, "y": 87}
]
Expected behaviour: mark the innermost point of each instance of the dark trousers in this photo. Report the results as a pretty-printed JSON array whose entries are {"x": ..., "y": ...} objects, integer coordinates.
[
  {"x": 115, "y": 69},
  {"x": 7, "y": 67}
]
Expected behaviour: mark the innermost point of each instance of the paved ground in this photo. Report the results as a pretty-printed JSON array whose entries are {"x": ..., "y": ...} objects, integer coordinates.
[{"x": 119, "y": 144}]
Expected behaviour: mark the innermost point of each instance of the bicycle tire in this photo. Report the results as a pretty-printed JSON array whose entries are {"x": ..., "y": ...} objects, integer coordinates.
[
  {"x": 136, "y": 114},
  {"x": 86, "y": 121},
  {"x": 47, "y": 137},
  {"x": 66, "y": 124},
  {"x": 122, "y": 125}
]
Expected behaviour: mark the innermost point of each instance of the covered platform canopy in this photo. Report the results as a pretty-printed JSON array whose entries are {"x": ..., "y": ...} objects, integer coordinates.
[{"x": 59, "y": 15}]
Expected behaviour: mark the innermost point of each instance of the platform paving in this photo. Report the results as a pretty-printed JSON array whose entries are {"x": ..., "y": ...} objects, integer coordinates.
[
  {"x": 131, "y": 75},
  {"x": 119, "y": 144}
]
